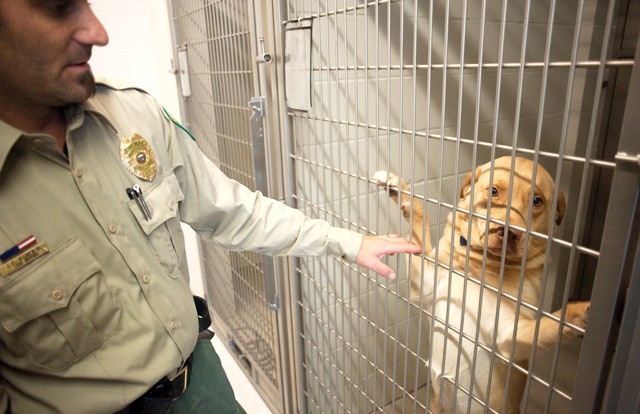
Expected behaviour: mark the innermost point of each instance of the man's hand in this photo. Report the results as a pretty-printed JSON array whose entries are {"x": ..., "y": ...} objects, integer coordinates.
[{"x": 374, "y": 248}]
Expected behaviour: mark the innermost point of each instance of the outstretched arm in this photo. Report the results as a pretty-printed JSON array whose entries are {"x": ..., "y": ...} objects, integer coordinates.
[{"x": 374, "y": 248}]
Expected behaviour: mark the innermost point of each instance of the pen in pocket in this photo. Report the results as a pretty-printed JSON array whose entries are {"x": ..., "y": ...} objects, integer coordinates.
[{"x": 135, "y": 193}]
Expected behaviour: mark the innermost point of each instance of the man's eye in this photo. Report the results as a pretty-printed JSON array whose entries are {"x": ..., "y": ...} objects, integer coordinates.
[{"x": 61, "y": 8}]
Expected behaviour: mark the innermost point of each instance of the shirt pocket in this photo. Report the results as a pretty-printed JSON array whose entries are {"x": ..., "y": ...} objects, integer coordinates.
[
  {"x": 59, "y": 308},
  {"x": 163, "y": 230}
]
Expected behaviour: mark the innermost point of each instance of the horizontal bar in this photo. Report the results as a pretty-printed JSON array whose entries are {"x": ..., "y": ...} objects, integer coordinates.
[
  {"x": 552, "y": 155},
  {"x": 612, "y": 63}
]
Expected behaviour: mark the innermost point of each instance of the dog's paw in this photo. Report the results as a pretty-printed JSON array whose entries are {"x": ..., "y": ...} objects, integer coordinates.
[
  {"x": 576, "y": 314},
  {"x": 387, "y": 180}
]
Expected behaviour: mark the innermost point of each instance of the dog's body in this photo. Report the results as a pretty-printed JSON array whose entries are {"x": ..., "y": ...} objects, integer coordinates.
[{"x": 479, "y": 329}]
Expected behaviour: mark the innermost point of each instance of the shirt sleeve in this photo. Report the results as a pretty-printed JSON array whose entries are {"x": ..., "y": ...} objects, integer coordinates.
[{"x": 232, "y": 216}]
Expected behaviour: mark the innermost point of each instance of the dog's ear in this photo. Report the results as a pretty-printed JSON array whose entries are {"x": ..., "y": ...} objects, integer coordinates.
[
  {"x": 465, "y": 189},
  {"x": 561, "y": 208}
]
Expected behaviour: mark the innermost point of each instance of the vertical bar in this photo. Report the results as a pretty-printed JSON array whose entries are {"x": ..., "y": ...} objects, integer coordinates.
[
  {"x": 385, "y": 328},
  {"x": 355, "y": 381},
  {"x": 318, "y": 140},
  {"x": 614, "y": 267},
  {"x": 376, "y": 69},
  {"x": 623, "y": 390},
  {"x": 414, "y": 57},
  {"x": 368, "y": 174},
  {"x": 184, "y": 117},
  {"x": 329, "y": 199},
  {"x": 394, "y": 375},
  {"x": 430, "y": 44}
]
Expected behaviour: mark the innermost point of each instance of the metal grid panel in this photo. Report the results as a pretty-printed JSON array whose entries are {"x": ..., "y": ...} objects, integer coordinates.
[
  {"x": 431, "y": 90},
  {"x": 217, "y": 37}
]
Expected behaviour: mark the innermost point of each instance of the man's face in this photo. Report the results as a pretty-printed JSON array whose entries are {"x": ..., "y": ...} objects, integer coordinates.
[{"x": 45, "y": 47}]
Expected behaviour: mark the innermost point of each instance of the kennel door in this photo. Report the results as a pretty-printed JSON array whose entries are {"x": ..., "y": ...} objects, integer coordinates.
[
  {"x": 431, "y": 90},
  {"x": 227, "y": 111}
]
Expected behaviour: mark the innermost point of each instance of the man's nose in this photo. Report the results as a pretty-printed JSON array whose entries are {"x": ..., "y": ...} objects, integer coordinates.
[{"x": 91, "y": 31}]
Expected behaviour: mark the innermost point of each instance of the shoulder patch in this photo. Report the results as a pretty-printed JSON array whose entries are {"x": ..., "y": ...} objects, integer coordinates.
[{"x": 176, "y": 123}]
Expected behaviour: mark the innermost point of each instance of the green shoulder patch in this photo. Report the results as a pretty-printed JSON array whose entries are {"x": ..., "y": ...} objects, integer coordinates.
[{"x": 176, "y": 123}]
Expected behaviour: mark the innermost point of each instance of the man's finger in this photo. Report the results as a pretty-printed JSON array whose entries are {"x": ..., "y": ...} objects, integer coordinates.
[{"x": 402, "y": 246}]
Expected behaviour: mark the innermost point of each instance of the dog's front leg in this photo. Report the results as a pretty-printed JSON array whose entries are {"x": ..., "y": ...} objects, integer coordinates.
[
  {"x": 413, "y": 210},
  {"x": 547, "y": 332}
]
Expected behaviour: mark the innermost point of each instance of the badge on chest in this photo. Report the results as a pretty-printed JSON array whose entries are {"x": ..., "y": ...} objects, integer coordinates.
[{"x": 136, "y": 154}]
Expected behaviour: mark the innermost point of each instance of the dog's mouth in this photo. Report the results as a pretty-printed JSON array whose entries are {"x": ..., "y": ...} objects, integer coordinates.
[{"x": 499, "y": 238}]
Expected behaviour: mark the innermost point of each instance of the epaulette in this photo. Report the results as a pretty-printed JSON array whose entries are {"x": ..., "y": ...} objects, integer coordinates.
[{"x": 123, "y": 85}]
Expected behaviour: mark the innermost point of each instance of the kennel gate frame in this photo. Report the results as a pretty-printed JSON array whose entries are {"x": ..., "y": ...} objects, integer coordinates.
[
  {"x": 250, "y": 32},
  {"x": 621, "y": 158},
  {"x": 615, "y": 387}
]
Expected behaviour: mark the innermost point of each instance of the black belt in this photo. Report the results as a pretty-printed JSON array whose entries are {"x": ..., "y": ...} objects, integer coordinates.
[
  {"x": 204, "y": 319},
  {"x": 159, "y": 398}
]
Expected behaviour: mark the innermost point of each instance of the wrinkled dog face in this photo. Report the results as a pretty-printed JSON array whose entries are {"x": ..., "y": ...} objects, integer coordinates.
[{"x": 496, "y": 193}]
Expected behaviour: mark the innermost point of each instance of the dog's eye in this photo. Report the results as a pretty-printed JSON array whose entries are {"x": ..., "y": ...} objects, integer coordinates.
[
  {"x": 494, "y": 192},
  {"x": 537, "y": 201}
]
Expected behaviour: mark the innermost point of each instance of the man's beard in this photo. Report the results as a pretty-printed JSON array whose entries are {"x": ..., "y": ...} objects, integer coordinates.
[{"x": 89, "y": 82}]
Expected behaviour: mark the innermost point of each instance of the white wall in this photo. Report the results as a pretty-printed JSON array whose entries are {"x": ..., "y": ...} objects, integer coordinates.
[{"x": 140, "y": 52}]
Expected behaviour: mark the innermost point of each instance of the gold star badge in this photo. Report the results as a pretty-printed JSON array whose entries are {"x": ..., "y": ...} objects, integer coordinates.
[{"x": 136, "y": 154}]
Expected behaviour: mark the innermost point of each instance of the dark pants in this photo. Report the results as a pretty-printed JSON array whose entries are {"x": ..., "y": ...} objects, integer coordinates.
[{"x": 209, "y": 390}]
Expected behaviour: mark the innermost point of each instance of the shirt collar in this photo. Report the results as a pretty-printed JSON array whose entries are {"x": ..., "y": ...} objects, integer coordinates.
[
  {"x": 94, "y": 105},
  {"x": 9, "y": 134}
]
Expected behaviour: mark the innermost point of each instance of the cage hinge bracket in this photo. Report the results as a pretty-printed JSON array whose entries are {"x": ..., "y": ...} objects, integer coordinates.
[
  {"x": 275, "y": 306},
  {"x": 258, "y": 108},
  {"x": 624, "y": 157}
]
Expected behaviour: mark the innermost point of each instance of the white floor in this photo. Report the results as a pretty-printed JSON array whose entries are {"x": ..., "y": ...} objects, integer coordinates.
[{"x": 246, "y": 394}]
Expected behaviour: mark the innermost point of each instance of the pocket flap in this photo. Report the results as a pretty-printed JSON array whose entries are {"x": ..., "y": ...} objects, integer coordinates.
[
  {"x": 45, "y": 285},
  {"x": 163, "y": 201}
]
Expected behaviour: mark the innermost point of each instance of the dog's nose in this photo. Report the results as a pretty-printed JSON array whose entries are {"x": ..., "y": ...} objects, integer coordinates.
[{"x": 514, "y": 235}]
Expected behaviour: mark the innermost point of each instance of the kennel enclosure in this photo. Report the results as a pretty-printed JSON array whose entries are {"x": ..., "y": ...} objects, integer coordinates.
[{"x": 306, "y": 99}]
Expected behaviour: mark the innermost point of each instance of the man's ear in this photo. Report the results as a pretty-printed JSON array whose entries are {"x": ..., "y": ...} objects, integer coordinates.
[{"x": 561, "y": 208}]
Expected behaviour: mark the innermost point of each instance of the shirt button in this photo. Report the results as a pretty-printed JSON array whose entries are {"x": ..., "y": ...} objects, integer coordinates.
[
  {"x": 173, "y": 325},
  {"x": 112, "y": 228},
  {"x": 78, "y": 172},
  {"x": 146, "y": 279},
  {"x": 170, "y": 206},
  {"x": 57, "y": 294}
]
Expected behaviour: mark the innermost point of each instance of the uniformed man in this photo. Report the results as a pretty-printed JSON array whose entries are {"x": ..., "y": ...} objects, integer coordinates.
[{"x": 96, "y": 315}]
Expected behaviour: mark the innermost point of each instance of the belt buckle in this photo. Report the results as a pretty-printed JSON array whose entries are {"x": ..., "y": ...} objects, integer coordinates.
[{"x": 184, "y": 372}]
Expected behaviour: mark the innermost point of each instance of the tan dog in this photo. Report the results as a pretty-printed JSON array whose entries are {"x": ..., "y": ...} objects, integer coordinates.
[{"x": 475, "y": 336}]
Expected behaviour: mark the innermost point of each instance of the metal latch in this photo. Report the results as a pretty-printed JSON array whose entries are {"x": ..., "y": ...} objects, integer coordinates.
[
  {"x": 257, "y": 108},
  {"x": 275, "y": 306},
  {"x": 264, "y": 56},
  {"x": 624, "y": 157}
]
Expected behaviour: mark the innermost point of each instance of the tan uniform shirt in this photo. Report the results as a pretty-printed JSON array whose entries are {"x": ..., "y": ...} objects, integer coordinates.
[{"x": 91, "y": 325}]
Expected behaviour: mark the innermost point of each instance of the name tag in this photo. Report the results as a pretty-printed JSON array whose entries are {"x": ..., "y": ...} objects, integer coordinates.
[{"x": 23, "y": 259}]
